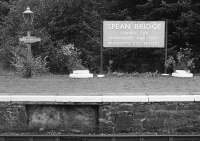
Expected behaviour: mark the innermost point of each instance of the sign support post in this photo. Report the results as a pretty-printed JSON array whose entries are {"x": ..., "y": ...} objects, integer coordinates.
[
  {"x": 28, "y": 40},
  {"x": 29, "y": 57},
  {"x": 101, "y": 50},
  {"x": 166, "y": 38}
]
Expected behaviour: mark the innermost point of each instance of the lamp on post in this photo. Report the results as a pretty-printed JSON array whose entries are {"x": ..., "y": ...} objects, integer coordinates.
[{"x": 28, "y": 16}]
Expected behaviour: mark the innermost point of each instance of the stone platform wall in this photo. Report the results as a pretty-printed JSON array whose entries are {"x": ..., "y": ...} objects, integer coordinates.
[
  {"x": 150, "y": 118},
  {"x": 106, "y": 118},
  {"x": 48, "y": 119}
]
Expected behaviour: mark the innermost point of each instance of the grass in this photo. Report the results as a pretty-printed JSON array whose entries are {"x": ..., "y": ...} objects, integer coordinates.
[{"x": 63, "y": 85}]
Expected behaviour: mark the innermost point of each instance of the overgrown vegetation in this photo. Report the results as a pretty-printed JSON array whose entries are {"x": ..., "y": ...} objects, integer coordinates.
[
  {"x": 78, "y": 22},
  {"x": 182, "y": 61}
]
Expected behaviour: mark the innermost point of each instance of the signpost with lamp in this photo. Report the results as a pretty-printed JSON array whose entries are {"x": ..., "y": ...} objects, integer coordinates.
[{"x": 28, "y": 16}]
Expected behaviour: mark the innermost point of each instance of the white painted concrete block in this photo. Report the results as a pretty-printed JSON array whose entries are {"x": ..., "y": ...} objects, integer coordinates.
[
  {"x": 182, "y": 73},
  {"x": 81, "y": 74},
  {"x": 100, "y": 75}
]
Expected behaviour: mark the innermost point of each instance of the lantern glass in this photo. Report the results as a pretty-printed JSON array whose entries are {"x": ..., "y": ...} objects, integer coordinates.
[{"x": 28, "y": 16}]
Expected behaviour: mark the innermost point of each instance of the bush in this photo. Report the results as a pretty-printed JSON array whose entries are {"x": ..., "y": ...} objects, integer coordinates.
[
  {"x": 183, "y": 60},
  {"x": 64, "y": 59},
  {"x": 19, "y": 63},
  {"x": 72, "y": 54},
  {"x": 38, "y": 65}
]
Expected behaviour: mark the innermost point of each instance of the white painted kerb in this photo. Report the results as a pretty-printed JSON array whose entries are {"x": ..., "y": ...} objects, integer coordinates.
[{"x": 104, "y": 98}]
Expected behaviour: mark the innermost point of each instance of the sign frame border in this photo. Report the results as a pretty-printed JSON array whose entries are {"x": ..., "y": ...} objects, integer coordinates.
[{"x": 165, "y": 24}]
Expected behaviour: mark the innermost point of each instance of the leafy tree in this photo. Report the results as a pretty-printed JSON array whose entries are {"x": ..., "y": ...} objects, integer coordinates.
[{"x": 79, "y": 22}]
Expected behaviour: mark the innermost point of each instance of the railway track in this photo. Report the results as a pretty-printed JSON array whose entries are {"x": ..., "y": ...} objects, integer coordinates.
[{"x": 100, "y": 138}]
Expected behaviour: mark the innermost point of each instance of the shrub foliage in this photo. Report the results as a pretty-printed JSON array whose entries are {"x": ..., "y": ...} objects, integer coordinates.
[{"x": 62, "y": 22}]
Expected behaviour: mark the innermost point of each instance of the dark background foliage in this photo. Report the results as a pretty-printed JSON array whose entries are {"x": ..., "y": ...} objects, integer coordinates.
[{"x": 60, "y": 22}]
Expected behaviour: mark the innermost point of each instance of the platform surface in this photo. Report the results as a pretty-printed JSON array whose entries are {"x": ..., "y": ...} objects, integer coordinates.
[{"x": 108, "y": 89}]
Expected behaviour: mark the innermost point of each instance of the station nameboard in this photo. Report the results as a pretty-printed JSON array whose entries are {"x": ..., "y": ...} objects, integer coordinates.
[
  {"x": 29, "y": 39},
  {"x": 144, "y": 34}
]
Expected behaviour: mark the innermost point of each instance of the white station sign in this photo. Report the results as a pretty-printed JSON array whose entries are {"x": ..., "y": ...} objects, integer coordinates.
[
  {"x": 29, "y": 39},
  {"x": 144, "y": 34}
]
